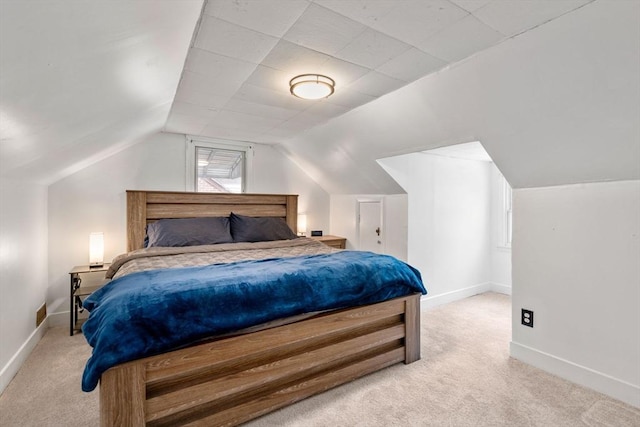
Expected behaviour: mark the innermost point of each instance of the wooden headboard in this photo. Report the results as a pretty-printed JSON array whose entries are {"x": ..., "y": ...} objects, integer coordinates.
[{"x": 148, "y": 206}]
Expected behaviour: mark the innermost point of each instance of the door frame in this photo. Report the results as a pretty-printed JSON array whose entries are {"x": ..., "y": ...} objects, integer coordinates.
[{"x": 371, "y": 199}]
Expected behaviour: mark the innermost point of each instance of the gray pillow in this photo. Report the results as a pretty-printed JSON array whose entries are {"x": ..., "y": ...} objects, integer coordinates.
[
  {"x": 259, "y": 229},
  {"x": 188, "y": 232}
]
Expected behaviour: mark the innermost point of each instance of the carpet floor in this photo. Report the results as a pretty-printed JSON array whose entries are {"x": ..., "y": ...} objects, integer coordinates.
[{"x": 465, "y": 378}]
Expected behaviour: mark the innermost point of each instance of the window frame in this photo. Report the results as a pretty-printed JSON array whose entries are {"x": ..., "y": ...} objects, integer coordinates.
[
  {"x": 198, "y": 141},
  {"x": 507, "y": 215}
]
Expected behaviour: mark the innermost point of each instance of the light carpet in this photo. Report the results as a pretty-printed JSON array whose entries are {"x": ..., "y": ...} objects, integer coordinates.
[{"x": 465, "y": 378}]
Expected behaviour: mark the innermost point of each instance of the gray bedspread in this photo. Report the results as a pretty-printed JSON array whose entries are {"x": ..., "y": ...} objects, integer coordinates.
[{"x": 191, "y": 256}]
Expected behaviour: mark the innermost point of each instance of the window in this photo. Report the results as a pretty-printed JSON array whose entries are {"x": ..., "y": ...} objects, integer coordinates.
[
  {"x": 218, "y": 166},
  {"x": 508, "y": 214}
]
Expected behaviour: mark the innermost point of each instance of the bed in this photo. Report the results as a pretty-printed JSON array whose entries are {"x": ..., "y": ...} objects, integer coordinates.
[{"x": 231, "y": 379}]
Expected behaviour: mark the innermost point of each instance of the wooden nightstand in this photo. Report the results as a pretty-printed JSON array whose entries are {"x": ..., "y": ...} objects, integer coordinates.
[
  {"x": 83, "y": 282},
  {"x": 333, "y": 241}
]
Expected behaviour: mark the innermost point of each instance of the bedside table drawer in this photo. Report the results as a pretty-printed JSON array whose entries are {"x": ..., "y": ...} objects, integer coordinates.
[{"x": 333, "y": 241}]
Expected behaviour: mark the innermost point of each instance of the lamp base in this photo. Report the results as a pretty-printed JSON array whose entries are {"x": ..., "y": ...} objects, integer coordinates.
[{"x": 96, "y": 265}]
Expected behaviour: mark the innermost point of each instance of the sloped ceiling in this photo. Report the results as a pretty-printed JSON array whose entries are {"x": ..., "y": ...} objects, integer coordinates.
[
  {"x": 82, "y": 79},
  {"x": 549, "y": 87},
  {"x": 559, "y": 104}
]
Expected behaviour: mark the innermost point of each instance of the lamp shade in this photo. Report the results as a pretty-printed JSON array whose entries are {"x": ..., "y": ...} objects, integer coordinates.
[
  {"x": 96, "y": 249},
  {"x": 311, "y": 86},
  {"x": 302, "y": 224}
]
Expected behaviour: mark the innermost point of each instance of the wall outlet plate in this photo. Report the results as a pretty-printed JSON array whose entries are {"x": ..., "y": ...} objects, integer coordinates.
[{"x": 527, "y": 318}]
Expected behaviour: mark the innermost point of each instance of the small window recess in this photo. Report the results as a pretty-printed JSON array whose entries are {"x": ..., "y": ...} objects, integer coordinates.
[
  {"x": 507, "y": 216},
  {"x": 214, "y": 165}
]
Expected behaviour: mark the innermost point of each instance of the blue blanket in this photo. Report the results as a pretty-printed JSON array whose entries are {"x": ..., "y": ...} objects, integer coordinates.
[{"x": 151, "y": 312}]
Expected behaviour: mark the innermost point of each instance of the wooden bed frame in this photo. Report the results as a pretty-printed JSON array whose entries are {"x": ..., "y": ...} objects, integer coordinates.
[{"x": 232, "y": 380}]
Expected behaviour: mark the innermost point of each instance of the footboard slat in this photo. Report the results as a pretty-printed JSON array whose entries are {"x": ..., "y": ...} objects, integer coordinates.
[
  {"x": 279, "y": 399},
  {"x": 190, "y": 360},
  {"x": 268, "y": 376}
]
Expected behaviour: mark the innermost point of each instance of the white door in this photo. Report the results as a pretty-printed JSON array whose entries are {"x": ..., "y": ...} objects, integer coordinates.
[{"x": 370, "y": 226}]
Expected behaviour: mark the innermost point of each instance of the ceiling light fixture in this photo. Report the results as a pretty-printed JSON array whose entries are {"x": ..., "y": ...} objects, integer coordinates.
[{"x": 312, "y": 86}]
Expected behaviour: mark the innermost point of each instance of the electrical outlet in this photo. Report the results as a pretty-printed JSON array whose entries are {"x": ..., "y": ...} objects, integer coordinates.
[
  {"x": 41, "y": 314},
  {"x": 527, "y": 318}
]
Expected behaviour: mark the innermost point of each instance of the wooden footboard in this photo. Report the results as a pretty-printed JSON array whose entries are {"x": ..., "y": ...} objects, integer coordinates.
[{"x": 233, "y": 380}]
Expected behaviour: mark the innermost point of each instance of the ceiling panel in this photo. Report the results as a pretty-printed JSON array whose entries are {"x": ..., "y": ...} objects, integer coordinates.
[
  {"x": 411, "y": 65},
  {"x": 415, "y": 20},
  {"x": 234, "y": 120},
  {"x": 323, "y": 30},
  {"x": 260, "y": 95},
  {"x": 233, "y": 134},
  {"x": 246, "y": 52},
  {"x": 198, "y": 97},
  {"x": 511, "y": 18},
  {"x": 218, "y": 66},
  {"x": 471, "y": 5},
  {"x": 225, "y": 38},
  {"x": 208, "y": 84},
  {"x": 371, "y": 49},
  {"x": 302, "y": 121},
  {"x": 343, "y": 72},
  {"x": 185, "y": 108},
  {"x": 461, "y": 40},
  {"x": 186, "y": 122},
  {"x": 262, "y": 110},
  {"x": 269, "y": 17},
  {"x": 326, "y": 109},
  {"x": 376, "y": 84},
  {"x": 350, "y": 98},
  {"x": 294, "y": 59},
  {"x": 364, "y": 11},
  {"x": 269, "y": 78}
]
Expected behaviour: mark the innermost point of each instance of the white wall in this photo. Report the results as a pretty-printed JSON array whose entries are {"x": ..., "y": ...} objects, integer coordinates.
[
  {"x": 576, "y": 264},
  {"x": 23, "y": 271},
  {"x": 449, "y": 213},
  {"x": 93, "y": 199},
  {"x": 394, "y": 215},
  {"x": 396, "y": 225},
  {"x": 275, "y": 173}
]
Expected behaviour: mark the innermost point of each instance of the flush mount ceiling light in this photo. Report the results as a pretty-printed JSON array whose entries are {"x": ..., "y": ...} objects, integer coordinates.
[{"x": 312, "y": 86}]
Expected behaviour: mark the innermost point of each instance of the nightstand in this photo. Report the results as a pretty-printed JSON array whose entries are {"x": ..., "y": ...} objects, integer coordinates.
[
  {"x": 83, "y": 282},
  {"x": 333, "y": 241}
]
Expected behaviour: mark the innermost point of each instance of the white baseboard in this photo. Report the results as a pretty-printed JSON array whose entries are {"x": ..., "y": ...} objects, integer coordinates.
[
  {"x": 603, "y": 383},
  {"x": 58, "y": 319},
  {"x": 500, "y": 288},
  {"x": 13, "y": 366},
  {"x": 428, "y": 302}
]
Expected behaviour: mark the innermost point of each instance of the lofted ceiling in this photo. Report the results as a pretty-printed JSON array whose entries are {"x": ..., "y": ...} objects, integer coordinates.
[
  {"x": 556, "y": 105},
  {"x": 82, "y": 79},
  {"x": 235, "y": 83},
  {"x": 553, "y": 97}
]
